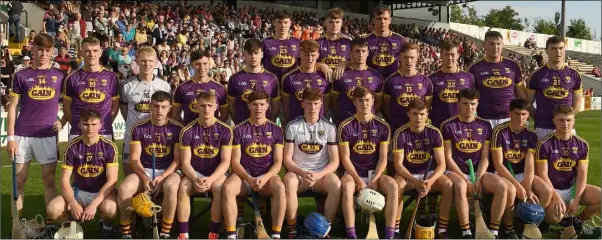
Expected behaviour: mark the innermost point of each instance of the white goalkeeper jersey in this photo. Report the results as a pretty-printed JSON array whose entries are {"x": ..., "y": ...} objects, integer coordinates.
[{"x": 311, "y": 151}]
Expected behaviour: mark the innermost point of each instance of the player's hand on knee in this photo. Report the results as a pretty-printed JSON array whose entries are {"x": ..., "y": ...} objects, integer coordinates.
[
  {"x": 359, "y": 185},
  {"x": 199, "y": 185},
  {"x": 77, "y": 211},
  {"x": 532, "y": 196},
  {"x": 89, "y": 213},
  {"x": 521, "y": 192},
  {"x": 373, "y": 184},
  {"x": 147, "y": 186},
  {"x": 260, "y": 182},
  {"x": 156, "y": 182},
  {"x": 572, "y": 208}
]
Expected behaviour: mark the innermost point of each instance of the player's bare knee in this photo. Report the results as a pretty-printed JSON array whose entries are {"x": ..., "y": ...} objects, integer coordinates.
[
  {"x": 347, "y": 186},
  {"x": 125, "y": 191},
  {"x": 277, "y": 187},
  {"x": 54, "y": 209},
  {"x": 460, "y": 187},
  {"x": 217, "y": 188},
  {"x": 171, "y": 185},
  {"x": 551, "y": 216},
  {"x": 333, "y": 183},
  {"x": 291, "y": 181},
  {"x": 108, "y": 208}
]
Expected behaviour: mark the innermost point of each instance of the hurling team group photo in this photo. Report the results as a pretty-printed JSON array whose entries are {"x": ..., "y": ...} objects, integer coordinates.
[{"x": 474, "y": 153}]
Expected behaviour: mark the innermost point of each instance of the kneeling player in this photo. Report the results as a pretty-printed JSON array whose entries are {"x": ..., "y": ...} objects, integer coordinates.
[
  {"x": 513, "y": 144},
  {"x": 158, "y": 136},
  {"x": 206, "y": 147},
  {"x": 562, "y": 162},
  {"x": 363, "y": 144},
  {"x": 415, "y": 145},
  {"x": 467, "y": 136},
  {"x": 257, "y": 148},
  {"x": 311, "y": 156},
  {"x": 94, "y": 160}
]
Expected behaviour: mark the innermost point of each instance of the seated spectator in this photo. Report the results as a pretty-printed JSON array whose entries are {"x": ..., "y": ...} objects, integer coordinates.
[
  {"x": 123, "y": 63},
  {"x": 25, "y": 63},
  {"x": 63, "y": 60},
  {"x": 596, "y": 71},
  {"x": 7, "y": 68}
]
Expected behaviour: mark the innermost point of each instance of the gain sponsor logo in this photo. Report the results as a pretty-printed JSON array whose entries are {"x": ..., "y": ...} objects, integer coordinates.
[
  {"x": 41, "y": 93},
  {"x": 364, "y": 147},
  {"x": 468, "y": 146},
  {"x": 205, "y": 151},
  {"x": 258, "y": 150}
]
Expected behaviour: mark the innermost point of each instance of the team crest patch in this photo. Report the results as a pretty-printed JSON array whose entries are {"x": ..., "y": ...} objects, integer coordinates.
[
  {"x": 575, "y": 149},
  {"x": 373, "y": 132},
  {"x": 100, "y": 155},
  {"x": 525, "y": 143},
  {"x": 265, "y": 83},
  {"x": 507, "y": 70},
  {"x": 321, "y": 133},
  {"x": 268, "y": 134},
  {"x": 319, "y": 81},
  {"x": 369, "y": 79},
  {"x": 169, "y": 135},
  {"x": 567, "y": 78},
  {"x": 480, "y": 131},
  {"x": 394, "y": 45},
  {"x": 294, "y": 47},
  {"x": 426, "y": 141},
  {"x": 216, "y": 136},
  {"x": 419, "y": 85},
  {"x": 462, "y": 81},
  {"x": 54, "y": 78},
  {"x": 212, "y": 91},
  {"x": 103, "y": 82}
]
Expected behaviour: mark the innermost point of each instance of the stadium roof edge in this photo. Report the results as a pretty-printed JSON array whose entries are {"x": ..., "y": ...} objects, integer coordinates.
[{"x": 414, "y": 4}]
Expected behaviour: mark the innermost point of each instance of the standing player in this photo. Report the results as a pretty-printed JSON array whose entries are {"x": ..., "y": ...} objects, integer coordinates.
[
  {"x": 307, "y": 75},
  {"x": 256, "y": 162},
  {"x": 553, "y": 84},
  {"x": 465, "y": 137},
  {"x": 356, "y": 74},
  {"x": 206, "y": 148},
  {"x": 514, "y": 143},
  {"x": 93, "y": 159},
  {"x": 185, "y": 94},
  {"x": 156, "y": 135},
  {"x": 497, "y": 79},
  {"x": 33, "y": 133},
  {"x": 562, "y": 162},
  {"x": 363, "y": 145},
  {"x": 447, "y": 83},
  {"x": 311, "y": 157},
  {"x": 91, "y": 87},
  {"x": 414, "y": 145},
  {"x": 251, "y": 78},
  {"x": 135, "y": 102},
  {"x": 334, "y": 47}
]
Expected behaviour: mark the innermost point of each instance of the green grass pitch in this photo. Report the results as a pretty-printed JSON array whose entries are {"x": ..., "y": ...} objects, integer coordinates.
[{"x": 588, "y": 126}]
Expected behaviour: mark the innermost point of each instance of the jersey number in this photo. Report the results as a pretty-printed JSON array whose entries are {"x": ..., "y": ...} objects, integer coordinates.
[
  {"x": 92, "y": 84},
  {"x": 451, "y": 84},
  {"x": 408, "y": 89},
  {"x": 42, "y": 81},
  {"x": 89, "y": 158},
  {"x": 253, "y": 85},
  {"x": 556, "y": 82}
]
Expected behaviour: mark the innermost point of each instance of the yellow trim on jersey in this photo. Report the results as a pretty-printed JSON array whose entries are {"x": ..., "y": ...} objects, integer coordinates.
[
  {"x": 135, "y": 142},
  {"x": 184, "y": 147},
  {"x": 139, "y": 123},
  {"x": 66, "y": 97},
  {"x": 531, "y": 150},
  {"x": 541, "y": 160},
  {"x": 343, "y": 143},
  {"x": 177, "y": 104},
  {"x": 13, "y": 94},
  {"x": 226, "y": 147},
  {"x": 447, "y": 141},
  {"x": 438, "y": 148},
  {"x": 236, "y": 146},
  {"x": 116, "y": 97},
  {"x": 398, "y": 151},
  {"x": 69, "y": 144},
  {"x": 341, "y": 126},
  {"x": 496, "y": 130},
  {"x": 578, "y": 90},
  {"x": 396, "y": 136},
  {"x": 384, "y": 142},
  {"x": 496, "y": 149},
  {"x": 487, "y": 141},
  {"x": 64, "y": 166},
  {"x": 584, "y": 160},
  {"x": 113, "y": 164},
  {"x": 278, "y": 145},
  {"x": 115, "y": 149},
  {"x": 443, "y": 123}
]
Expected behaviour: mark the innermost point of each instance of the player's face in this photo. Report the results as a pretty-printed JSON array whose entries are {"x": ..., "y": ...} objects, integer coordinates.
[
  {"x": 206, "y": 108},
  {"x": 258, "y": 108},
  {"x": 408, "y": 59},
  {"x": 160, "y": 110},
  {"x": 201, "y": 66},
  {"x": 333, "y": 26},
  {"x": 312, "y": 106},
  {"x": 519, "y": 116},
  {"x": 364, "y": 104},
  {"x": 449, "y": 58},
  {"x": 381, "y": 22},
  {"x": 91, "y": 54},
  {"x": 253, "y": 59},
  {"x": 309, "y": 58},
  {"x": 90, "y": 127},
  {"x": 556, "y": 52},
  {"x": 282, "y": 26},
  {"x": 564, "y": 122},
  {"x": 359, "y": 54},
  {"x": 418, "y": 117},
  {"x": 467, "y": 108},
  {"x": 493, "y": 47},
  {"x": 42, "y": 54},
  {"x": 146, "y": 62}
]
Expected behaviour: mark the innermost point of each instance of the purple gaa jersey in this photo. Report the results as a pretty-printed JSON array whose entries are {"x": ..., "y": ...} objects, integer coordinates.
[
  {"x": 496, "y": 83},
  {"x": 446, "y": 87},
  {"x": 417, "y": 148},
  {"x": 280, "y": 56},
  {"x": 162, "y": 140},
  {"x": 38, "y": 91},
  {"x": 185, "y": 96},
  {"x": 90, "y": 162},
  {"x": 92, "y": 90},
  {"x": 402, "y": 90},
  {"x": 243, "y": 83},
  {"x": 562, "y": 158},
  {"x": 293, "y": 84},
  {"x": 384, "y": 53},
  {"x": 364, "y": 141},
  {"x": 352, "y": 78},
  {"x": 514, "y": 146},
  {"x": 205, "y": 144},
  {"x": 467, "y": 140},
  {"x": 334, "y": 52},
  {"x": 257, "y": 144},
  {"x": 553, "y": 87}
]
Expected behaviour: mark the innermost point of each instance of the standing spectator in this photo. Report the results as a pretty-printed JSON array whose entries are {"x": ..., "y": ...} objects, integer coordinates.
[
  {"x": 77, "y": 29},
  {"x": 7, "y": 68},
  {"x": 159, "y": 34},
  {"x": 3, "y": 42},
  {"x": 64, "y": 61},
  {"x": 50, "y": 24},
  {"x": 14, "y": 19}
]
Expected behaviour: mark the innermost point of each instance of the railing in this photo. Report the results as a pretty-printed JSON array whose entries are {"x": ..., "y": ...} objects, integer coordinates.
[{"x": 4, "y": 8}]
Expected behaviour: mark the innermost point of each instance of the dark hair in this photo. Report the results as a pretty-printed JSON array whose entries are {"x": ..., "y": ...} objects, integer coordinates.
[
  {"x": 380, "y": 10},
  {"x": 43, "y": 40},
  {"x": 161, "y": 96},
  {"x": 469, "y": 93},
  {"x": 360, "y": 92},
  {"x": 312, "y": 94},
  {"x": 554, "y": 40},
  {"x": 448, "y": 44},
  {"x": 88, "y": 114},
  {"x": 563, "y": 109},
  {"x": 258, "y": 95},
  {"x": 493, "y": 34},
  {"x": 282, "y": 14},
  {"x": 360, "y": 42},
  {"x": 198, "y": 54},
  {"x": 206, "y": 96},
  {"x": 518, "y": 103},
  {"x": 252, "y": 45},
  {"x": 417, "y": 104}
]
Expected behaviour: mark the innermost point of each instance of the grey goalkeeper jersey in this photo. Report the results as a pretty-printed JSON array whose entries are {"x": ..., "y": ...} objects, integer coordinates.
[{"x": 311, "y": 151}]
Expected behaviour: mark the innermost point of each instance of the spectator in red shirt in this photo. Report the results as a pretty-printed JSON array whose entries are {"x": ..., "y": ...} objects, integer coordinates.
[{"x": 64, "y": 60}]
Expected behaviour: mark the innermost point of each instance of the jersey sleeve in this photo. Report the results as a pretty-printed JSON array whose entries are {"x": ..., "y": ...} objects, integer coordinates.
[
  {"x": 331, "y": 138},
  {"x": 17, "y": 88},
  {"x": 69, "y": 90},
  {"x": 387, "y": 87},
  {"x": 289, "y": 134},
  {"x": 343, "y": 135},
  {"x": 380, "y": 84},
  {"x": 231, "y": 91},
  {"x": 123, "y": 100},
  {"x": 472, "y": 81},
  {"x": 226, "y": 138},
  {"x": 275, "y": 92},
  {"x": 398, "y": 142},
  {"x": 115, "y": 87},
  {"x": 185, "y": 139},
  {"x": 584, "y": 152},
  {"x": 278, "y": 138},
  {"x": 487, "y": 133},
  {"x": 496, "y": 139},
  {"x": 532, "y": 143},
  {"x": 222, "y": 99},
  {"x": 336, "y": 85},
  {"x": 328, "y": 88},
  {"x": 69, "y": 159},
  {"x": 446, "y": 132},
  {"x": 542, "y": 152},
  {"x": 519, "y": 72},
  {"x": 578, "y": 87},
  {"x": 178, "y": 96},
  {"x": 429, "y": 88},
  {"x": 286, "y": 90},
  {"x": 112, "y": 154},
  {"x": 136, "y": 135},
  {"x": 385, "y": 134},
  {"x": 237, "y": 138},
  {"x": 437, "y": 140}
]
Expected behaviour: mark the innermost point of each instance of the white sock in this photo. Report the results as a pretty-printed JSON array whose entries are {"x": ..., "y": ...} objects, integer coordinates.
[
  {"x": 466, "y": 232},
  {"x": 164, "y": 234},
  {"x": 184, "y": 234},
  {"x": 442, "y": 230},
  {"x": 494, "y": 232},
  {"x": 275, "y": 235},
  {"x": 233, "y": 236}
]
